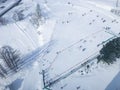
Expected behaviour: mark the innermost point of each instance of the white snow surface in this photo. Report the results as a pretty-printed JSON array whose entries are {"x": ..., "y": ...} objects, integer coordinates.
[{"x": 77, "y": 28}]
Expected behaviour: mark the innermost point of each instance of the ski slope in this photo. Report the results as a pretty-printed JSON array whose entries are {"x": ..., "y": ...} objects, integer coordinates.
[{"x": 78, "y": 29}]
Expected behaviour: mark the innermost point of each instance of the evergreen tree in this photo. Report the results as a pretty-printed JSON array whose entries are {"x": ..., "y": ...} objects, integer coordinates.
[{"x": 110, "y": 52}]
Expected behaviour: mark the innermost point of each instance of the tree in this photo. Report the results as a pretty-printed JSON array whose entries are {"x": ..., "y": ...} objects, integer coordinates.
[
  {"x": 38, "y": 11},
  {"x": 117, "y": 2},
  {"x": 37, "y": 17},
  {"x": 2, "y": 75},
  {"x": 3, "y": 71},
  {"x": 18, "y": 15},
  {"x": 110, "y": 52},
  {"x": 11, "y": 57},
  {"x": 3, "y": 21}
]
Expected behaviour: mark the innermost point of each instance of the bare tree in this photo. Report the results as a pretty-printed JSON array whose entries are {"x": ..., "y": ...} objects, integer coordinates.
[
  {"x": 3, "y": 71},
  {"x": 38, "y": 11},
  {"x": 37, "y": 18},
  {"x": 11, "y": 57},
  {"x": 3, "y": 21},
  {"x": 117, "y": 3},
  {"x": 18, "y": 15},
  {"x": 2, "y": 75}
]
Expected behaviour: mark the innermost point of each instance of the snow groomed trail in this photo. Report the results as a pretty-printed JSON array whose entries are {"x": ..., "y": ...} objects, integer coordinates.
[{"x": 81, "y": 30}]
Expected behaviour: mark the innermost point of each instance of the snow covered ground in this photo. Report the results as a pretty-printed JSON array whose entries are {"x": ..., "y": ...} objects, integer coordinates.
[
  {"x": 80, "y": 27},
  {"x": 77, "y": 30}
]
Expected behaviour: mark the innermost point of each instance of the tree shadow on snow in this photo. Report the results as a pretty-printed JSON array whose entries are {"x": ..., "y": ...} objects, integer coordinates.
[{"x": 114, "y": 84}]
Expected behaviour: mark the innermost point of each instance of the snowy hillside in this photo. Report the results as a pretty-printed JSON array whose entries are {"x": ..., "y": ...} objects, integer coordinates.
[
  {"x": 80, "y": 29},
  {"x": 59, "y": 41}
]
